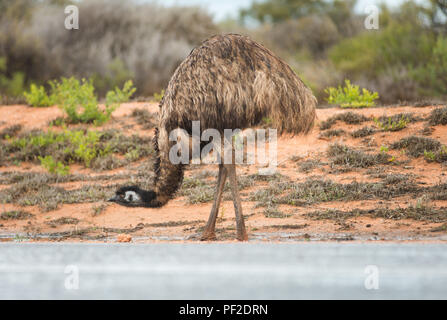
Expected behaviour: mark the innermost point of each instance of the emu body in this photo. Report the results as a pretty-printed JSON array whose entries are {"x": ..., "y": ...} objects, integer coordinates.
[{"x": 228, "y": 82}]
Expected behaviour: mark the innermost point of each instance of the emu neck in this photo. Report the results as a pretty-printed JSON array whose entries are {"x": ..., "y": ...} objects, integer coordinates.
[{"x": 168, "y": 176}]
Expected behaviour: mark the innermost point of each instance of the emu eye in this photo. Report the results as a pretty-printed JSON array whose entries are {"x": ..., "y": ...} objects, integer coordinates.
[{"x": 130, "y": 198}]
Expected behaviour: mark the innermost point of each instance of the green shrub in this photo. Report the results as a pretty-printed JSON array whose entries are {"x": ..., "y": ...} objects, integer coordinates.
[
  {"x": 54, "y": 166},
  {"x": 118, "y": 96},
  {"x": 38, "y": 97},
  {"x": 350, "y": 96},
  {"x": 71, "y": 95},
  {"x": 79, "y": 101}
]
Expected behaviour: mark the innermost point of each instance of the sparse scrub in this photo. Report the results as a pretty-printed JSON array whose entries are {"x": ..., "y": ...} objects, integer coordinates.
[
  {"x": 62, "y": 221},
  {"x": 347, "y": 117},
  {"x": 309, "y": 165},
  {"x": 272, "y": 211},
  {"x": 98, "y": 209},
  {"x": 144, "y": 118},
  {"x": 333, "y": 133},
  {"x": 439, "y": 155},
  {"x": 316, "y": 191},
  {"x": 90, "y": 148},
  {"x": 396, "y": 178},
  {"x": 346, "y": 156},
  {"x": 438, "y": 116},
  {"x": 388, "y": 124},
  {"x": 10, "y": 131},
  {"x": 363, "y": 132},
  {"x": 47, "y": 197},
  {"x": 199, "y": 194},
  {"x": 423, "y": 213},
  {"x": 350, "y": 96},
  {"x": 15, "y": 215},
  {"x": 416, "y": 146}
]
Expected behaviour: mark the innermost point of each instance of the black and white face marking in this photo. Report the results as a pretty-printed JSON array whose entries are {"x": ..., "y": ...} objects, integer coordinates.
[{"x": 132, "y": 196}]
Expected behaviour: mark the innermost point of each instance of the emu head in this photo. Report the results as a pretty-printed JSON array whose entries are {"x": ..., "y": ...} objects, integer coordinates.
[{"x": 133, "y": 196}]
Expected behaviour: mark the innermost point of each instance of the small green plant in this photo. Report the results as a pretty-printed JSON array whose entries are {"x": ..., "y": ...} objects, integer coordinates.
[
  {"x": 439, "y": 156},
  {"x": 159, "y": 96},
  {"x": 351, "y": 97},
  {"x": 38, "y": 97},
  {"x": 429, "y": 155},
  {"x": 392, "y": 125},
  {"x": 54, "y": 166},
  {"x": 384, "y": 149}
]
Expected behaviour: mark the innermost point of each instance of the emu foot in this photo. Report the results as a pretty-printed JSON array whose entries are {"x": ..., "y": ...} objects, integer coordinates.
[
  {"x": 208, "y": 236},
  {"x": 242, "y": 236}
]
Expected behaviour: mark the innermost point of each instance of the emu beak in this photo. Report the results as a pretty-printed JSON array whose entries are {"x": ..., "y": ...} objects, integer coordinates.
[{"x": 113, "y": 199}]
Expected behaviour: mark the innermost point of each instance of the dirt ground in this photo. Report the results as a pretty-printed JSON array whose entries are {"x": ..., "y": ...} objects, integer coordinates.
[{"x": 316, "y": 195}]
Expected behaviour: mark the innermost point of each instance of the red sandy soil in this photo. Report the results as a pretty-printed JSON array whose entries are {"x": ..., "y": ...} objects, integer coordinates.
[{"x": 141, "y": 222}]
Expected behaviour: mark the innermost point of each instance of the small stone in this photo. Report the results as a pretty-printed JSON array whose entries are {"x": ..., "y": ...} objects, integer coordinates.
[{"x": 123, "y": 238}]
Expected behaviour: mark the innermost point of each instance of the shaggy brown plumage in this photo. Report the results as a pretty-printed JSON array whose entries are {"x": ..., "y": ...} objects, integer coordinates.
[{"x": 227, "y": 82}]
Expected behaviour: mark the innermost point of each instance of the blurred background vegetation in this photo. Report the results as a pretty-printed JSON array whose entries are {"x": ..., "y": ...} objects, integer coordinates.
[{"x": 324, "y": 41}]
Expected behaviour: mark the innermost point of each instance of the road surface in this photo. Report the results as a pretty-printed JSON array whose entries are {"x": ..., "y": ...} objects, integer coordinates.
[{"x": 223, "y": 271}]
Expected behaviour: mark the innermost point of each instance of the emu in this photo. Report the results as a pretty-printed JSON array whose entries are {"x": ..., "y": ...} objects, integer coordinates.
[{"x": 227, "y": 82}]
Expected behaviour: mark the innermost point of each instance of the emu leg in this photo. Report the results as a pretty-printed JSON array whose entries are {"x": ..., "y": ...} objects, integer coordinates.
[
  {"x": 209, "y": 232},
  {"x": 240, "y": 225}
]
